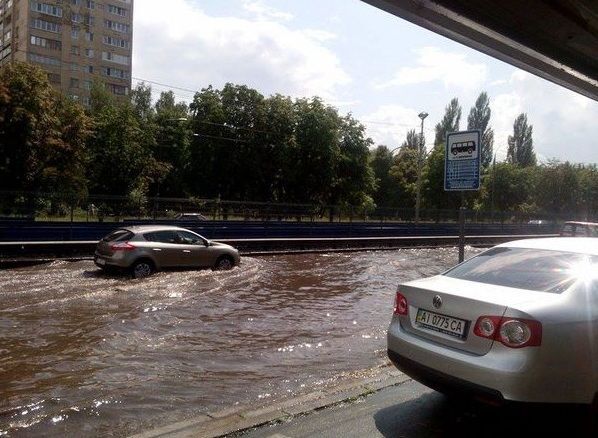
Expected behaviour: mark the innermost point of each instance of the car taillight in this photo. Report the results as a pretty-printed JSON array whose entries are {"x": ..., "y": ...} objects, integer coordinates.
[
  {"x": 122, "y": 246},
  {"x": 512, "y": 332},
  {"x": 401, "y": 307}
]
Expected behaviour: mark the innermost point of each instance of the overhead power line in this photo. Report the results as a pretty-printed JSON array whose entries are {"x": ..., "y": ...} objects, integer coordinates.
[{"x": 171, "y": 87}]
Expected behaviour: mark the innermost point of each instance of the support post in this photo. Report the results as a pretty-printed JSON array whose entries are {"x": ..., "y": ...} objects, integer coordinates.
[{"x": 462, "y": 229}]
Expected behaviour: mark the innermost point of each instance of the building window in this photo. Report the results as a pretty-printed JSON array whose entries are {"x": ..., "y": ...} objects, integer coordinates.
[
  {"x": 114, "y": 72},
  {"x": 87, "y": 85},
  {"x": 76, "y": 18},
  {"x": 88, "y": 36},
  {"x": 54, "y": 78},
  {"x": 91, "y": 4},
  {"x": 75, "y": 33},
  {"x": 47, "y": 9},
  {"x": 5, "y": 52},
  {"x": 75, "y": 50},
  {"x": 74, "y": 83},
  {"x": 45, "y": 42},
  {"x": 116, "y": 42},
  {"x": 45, "y": 25},
  {"x": 75, "y": 2},
  {"x": 116, "y": 26},
  {"x": 39, "y": 59},
  {"x": 117, "y": 10},
  {"x": 118, "y": 59},
  {"x": 119, "y": 90}
]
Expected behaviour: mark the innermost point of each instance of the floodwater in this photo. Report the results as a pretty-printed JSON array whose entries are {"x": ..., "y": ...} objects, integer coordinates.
[{"x": 82, "y": 353}]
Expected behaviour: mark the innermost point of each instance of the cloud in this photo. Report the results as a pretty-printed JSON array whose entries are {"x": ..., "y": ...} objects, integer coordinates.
[
  {"x": 183, "y": 46},
  {"x": 564, "y": 122},
  {"x": 264, "y": 12},
  {"x": 433, "y": 64},
  {"x": 389, "y": 124}
]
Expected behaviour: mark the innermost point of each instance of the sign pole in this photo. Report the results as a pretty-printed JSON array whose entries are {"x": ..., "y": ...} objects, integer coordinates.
[
  {"x": 462, "y": 167},
  {"x": 462, "y": 228}
]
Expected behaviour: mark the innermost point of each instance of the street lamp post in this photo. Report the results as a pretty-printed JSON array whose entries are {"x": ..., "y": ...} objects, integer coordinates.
[{"x": 420, "y": 151}]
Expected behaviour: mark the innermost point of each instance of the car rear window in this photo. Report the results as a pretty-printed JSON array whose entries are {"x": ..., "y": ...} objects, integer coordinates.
[
  {"x": 118, "y": 236},
  {"x": 523, "y": 268}
]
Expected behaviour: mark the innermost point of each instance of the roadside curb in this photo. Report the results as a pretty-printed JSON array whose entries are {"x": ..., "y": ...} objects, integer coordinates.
[{"x": 237, "y": 419}]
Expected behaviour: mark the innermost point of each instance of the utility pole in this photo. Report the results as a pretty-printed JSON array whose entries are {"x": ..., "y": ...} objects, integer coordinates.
[{"x": 420, "y": 153}]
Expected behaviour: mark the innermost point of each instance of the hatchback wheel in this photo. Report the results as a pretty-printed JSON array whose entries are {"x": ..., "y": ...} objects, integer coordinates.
[
  {"x": 224, "y": 263},
  {"x": 142, "y": 269}
]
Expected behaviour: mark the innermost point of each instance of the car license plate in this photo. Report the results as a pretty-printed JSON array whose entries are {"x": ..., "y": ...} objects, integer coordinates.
[
  {"x": 100, "y": 261},
  {"x": 441, "y": 323}
]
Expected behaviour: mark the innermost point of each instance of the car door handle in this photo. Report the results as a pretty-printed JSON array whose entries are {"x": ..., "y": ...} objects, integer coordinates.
[
  {"x": 186, "y": 250},
  {"x": 156, "y": 249}
]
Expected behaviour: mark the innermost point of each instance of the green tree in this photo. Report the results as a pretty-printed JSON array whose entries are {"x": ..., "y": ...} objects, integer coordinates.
[
  {"x": 316, "y": 152},
  {"x": 122, "y": 160},
  {"x": 450, "y": 121},
  {"x": 521, "y": 145},
  {"x": 355, "y": 181},
  {"x": 479, "y": 118},
  {"x": 413, "y": 141},
  {"x": 509, "y": 187},
  {"x": 381, "y": 162},
  {"x": 172, "y": 143},
  {"x": 404, "y": 173},
  {"x": 588, "y": 191},
  {"x": 558, "y": 187},
  {"x": 42, "y": 135},
  {"x": 279, "y": 136},
  {"x": 210, "y": 146}
]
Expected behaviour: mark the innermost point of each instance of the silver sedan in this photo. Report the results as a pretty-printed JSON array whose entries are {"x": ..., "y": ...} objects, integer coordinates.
[
  {"x": 145, "y": 249},
  {"x": 519, "y": 322}
]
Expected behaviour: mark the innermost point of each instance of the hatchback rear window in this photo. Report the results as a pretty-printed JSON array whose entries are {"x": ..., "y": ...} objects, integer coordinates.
[
  {"x": 523, "y": 268},
  {"x": 118, "y": 236}
]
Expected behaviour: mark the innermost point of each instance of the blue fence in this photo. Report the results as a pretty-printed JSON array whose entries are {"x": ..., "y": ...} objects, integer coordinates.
[{"x": 31, "y": 231}]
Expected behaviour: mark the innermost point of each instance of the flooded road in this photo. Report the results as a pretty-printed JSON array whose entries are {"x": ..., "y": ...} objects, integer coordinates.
[{"x": 82, "y": 353}]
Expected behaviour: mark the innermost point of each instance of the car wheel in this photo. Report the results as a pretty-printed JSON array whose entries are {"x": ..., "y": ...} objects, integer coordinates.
[
  {"x": 142, "y": 269},
  {"x": 224, "y": 263}
]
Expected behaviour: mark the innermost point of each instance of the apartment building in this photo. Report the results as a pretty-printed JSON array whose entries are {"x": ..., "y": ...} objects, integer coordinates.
[{"x": 75, "y": 41}]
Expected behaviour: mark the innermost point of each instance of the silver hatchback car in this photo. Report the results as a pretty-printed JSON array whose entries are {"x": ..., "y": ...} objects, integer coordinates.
[
  {"x": 518, "y": 322},
  {"x": 145, "y": 249}
]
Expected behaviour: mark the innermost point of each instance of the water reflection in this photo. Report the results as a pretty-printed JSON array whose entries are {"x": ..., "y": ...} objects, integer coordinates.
[{"x": 86, "y": 353}]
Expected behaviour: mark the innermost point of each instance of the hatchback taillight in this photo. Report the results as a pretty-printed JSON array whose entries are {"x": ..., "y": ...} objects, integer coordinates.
[
  {"x": 401, "y": 307},
  {"x": 512, "y": 332},
  {"x": 122, "y": 246}
]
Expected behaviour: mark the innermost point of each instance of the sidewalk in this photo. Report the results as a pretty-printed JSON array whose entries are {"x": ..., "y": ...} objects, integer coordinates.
[{"x": 239, "y": 418}]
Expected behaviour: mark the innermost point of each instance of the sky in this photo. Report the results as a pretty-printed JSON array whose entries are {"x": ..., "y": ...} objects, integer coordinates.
[{"x": 363, "y": 61}]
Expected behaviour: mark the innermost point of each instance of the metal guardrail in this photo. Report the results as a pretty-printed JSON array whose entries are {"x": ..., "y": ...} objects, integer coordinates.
[
  {"x": 18, "y": 253},
  {"x": 66, "y": 231}
]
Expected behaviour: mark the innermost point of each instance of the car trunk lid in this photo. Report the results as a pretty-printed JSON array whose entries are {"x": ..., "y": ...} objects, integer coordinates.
[{"x": 444, "y": 310}]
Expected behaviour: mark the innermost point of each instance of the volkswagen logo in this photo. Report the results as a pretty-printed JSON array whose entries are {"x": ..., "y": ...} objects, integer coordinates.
[{"x": 437, "y": 301}]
